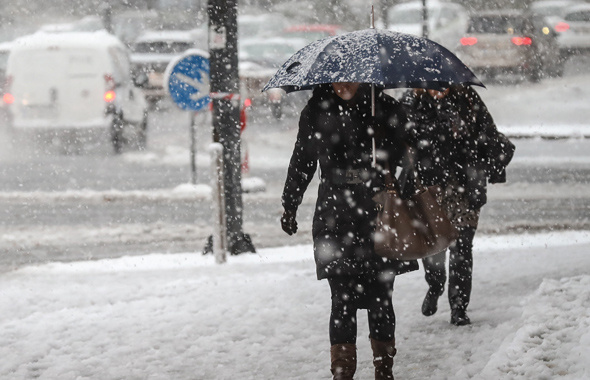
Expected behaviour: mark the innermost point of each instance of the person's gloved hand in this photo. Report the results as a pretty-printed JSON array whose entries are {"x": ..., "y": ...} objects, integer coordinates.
[{"x": 288, "y": 222}]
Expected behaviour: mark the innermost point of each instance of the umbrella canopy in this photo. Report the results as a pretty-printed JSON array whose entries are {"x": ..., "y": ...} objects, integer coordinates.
[{"x": 384, "y": 58}]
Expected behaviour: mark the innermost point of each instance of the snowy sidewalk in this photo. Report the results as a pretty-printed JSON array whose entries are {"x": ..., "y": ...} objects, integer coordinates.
[{"x": 265, "y": 316}]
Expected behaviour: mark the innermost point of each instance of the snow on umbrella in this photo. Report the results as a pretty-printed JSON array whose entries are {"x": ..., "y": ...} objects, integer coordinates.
[{"x": 384, "y": 58}]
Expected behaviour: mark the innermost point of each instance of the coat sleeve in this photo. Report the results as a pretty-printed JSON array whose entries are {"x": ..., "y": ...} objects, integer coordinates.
[{"x": 303, "y": 164}]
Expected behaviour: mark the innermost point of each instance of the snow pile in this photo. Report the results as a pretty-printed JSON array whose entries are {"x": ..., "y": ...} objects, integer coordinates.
[{"x": 555, "y": 338}]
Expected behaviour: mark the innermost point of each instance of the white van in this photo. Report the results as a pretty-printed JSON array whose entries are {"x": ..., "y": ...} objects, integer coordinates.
[{"x": 74, "y": 81}]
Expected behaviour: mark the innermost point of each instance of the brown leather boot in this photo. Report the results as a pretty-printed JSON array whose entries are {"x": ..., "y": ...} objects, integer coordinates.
[
  {"x": 383, "y": 353},
  {"x": 343, "y": 361}
]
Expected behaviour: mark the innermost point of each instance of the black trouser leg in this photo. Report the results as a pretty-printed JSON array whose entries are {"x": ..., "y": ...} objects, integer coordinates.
[
  {"x": 344, "y": 306},
  {"x": 460, "y": 269},
  {"x": 380, "y": 311},
  {"x": 350, "y": 294},
  {"x": 435, "y": 273}
]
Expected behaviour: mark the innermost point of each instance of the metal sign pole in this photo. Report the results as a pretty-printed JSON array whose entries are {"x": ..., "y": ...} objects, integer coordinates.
[
  {"x": 193, "y": 153},
  {"x": 219, "y": 238},
  {"x": 223, "y": 53}
]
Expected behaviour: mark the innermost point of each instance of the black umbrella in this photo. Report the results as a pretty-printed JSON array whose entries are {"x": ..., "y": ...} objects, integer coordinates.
[{"x": 384, "y": 58}]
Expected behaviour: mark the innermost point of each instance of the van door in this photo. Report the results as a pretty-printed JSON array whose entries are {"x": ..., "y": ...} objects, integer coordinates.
[
  {"x": 56, "y": 88},
  {"x": 81, "y": 95},
  {"x": 36, "y": 84}
]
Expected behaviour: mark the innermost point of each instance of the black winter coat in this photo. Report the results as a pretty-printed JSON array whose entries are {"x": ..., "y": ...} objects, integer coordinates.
[
  {"x": 337, "y": 135},
  {"x": 456, "y": 136}
]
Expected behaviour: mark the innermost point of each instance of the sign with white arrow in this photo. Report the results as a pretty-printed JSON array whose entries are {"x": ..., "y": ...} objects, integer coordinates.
[{"x": 187, "y": 80}]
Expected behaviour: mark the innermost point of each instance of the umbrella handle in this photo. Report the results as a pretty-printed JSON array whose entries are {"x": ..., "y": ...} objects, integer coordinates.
[{"x": 374, "y": 152}]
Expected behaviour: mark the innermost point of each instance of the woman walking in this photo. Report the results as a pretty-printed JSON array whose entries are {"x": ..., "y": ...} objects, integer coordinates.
[
  {"x": 459, "y": 148},
  {"x": 337, "y": 131}
]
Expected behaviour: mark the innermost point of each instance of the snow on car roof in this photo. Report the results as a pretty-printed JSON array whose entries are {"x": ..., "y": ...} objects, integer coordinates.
[
  {"x": 552, "y": 3},
  {"x": 578, "y": 8},
  {"x": 300, "y": 42},
  {"x": 419, "y": 4},
  {"x": 167, "y": 35},
  {"x": 6, "y": 46},
  {"x": 68, "y": 39},
  {"x": 313, "y": 28}
]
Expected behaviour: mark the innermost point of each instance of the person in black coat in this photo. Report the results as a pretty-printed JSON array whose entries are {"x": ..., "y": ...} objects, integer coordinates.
[
  {"x": 458, "y": 147},
  {"x": 337, "y": 131}
]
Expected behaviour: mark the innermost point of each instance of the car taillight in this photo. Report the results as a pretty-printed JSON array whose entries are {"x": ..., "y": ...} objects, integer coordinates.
[
  {"x": 7, "y": 98},
  {"x": 109, "y": 94},
  {"x": 520, "y": 41},
  {"x": 562, "y": 27},
  {"x": 468, "y": 41}
]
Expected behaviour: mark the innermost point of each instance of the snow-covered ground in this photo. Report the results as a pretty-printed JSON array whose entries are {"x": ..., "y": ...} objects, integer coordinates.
[
  {"x": 265, "y": 316},
  {"x": 553, "y": 108}
]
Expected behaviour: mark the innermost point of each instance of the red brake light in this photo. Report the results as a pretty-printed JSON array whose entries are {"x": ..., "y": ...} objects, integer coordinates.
[
  {"x": 468, "y": 41},
  {"x": 519, "y": 41},
  {"x": 109, "y": 96},
  {"x": 248, "y": 102},
  {"x": 8, "y": 98},
  {"x": 562, "y": 27}
]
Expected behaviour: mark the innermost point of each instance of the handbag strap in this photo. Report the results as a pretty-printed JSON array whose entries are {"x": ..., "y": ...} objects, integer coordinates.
[{"x": 390, "y": 180}]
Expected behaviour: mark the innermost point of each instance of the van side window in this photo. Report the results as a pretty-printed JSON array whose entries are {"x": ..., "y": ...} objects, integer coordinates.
[{"x": 121, "y": 66}]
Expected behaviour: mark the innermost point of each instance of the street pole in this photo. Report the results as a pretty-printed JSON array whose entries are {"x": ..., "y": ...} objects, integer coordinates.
[
  {"x": 424, "y": 19},
  {"x": 223, "y": 56},
  {"x": 193, "y": 153}
]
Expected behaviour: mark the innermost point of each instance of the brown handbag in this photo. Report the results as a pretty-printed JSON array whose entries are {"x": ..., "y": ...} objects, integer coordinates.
[{"x": 414, "y": 228}]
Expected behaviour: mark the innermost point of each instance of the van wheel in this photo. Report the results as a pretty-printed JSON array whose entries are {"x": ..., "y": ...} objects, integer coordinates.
[{"x": 117, "y": 133}]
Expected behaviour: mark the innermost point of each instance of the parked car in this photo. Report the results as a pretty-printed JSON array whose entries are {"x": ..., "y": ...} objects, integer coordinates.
[
  {"x": 553, "y": 10},
  {"x": 447, "y": 22},
  {"x": 152, "y": 51},
  {"x": 509, "y": 41},
  {"x": 260, "y": 59},
  {"x": 74, "y": 82},
  {"x": 575, "y": 39}
]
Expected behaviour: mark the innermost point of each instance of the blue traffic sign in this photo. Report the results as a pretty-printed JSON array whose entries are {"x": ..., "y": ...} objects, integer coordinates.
[{"x": 187, "y": 79}]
